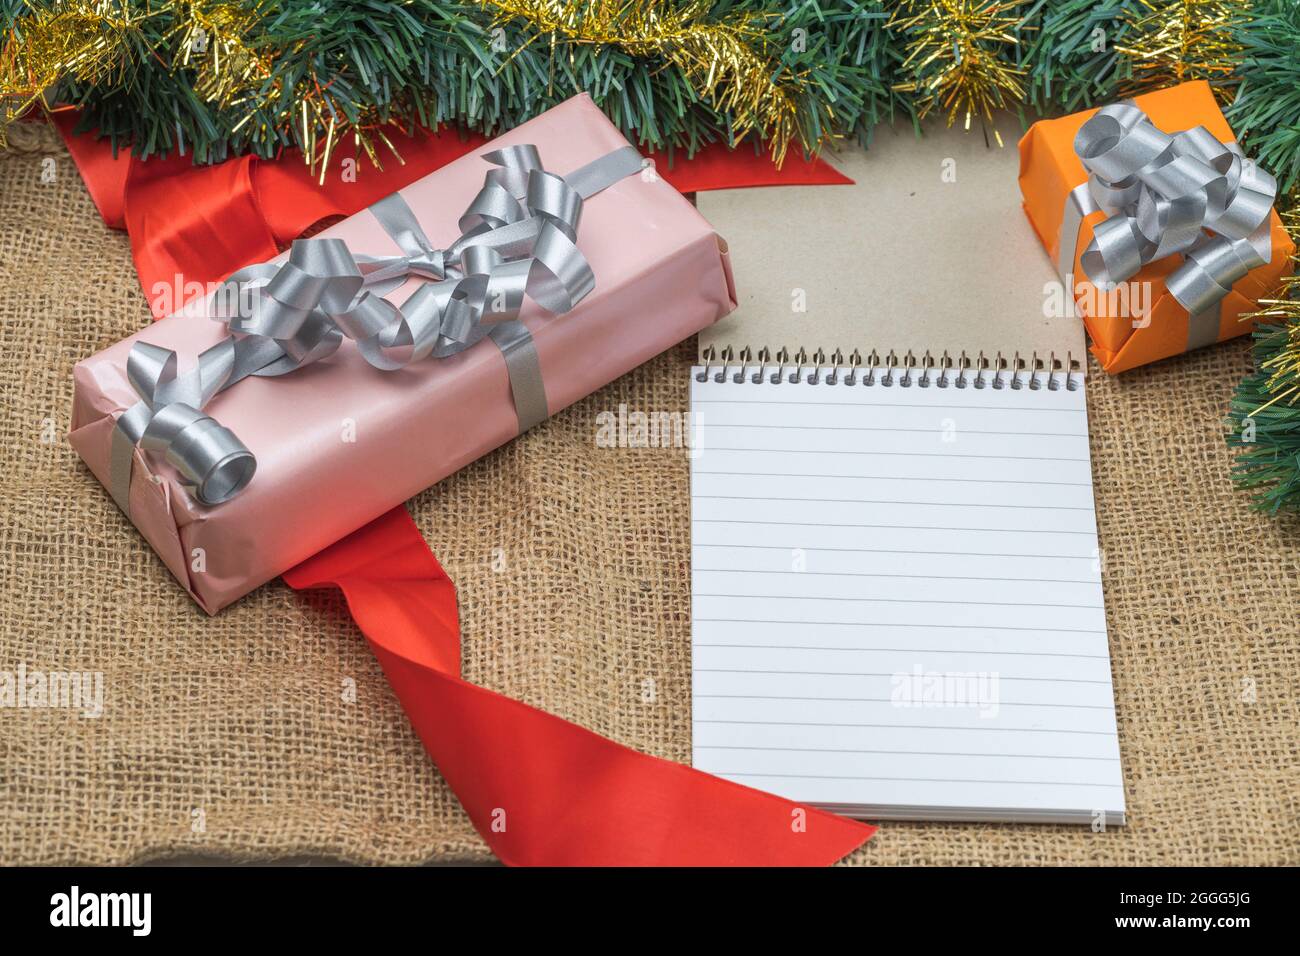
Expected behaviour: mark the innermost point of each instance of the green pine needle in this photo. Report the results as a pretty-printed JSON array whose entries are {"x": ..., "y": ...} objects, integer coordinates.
[{"x": 1268, "y": 464}]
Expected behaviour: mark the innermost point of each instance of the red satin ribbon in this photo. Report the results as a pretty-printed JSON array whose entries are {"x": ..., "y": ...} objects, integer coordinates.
[{"x": 540, "y": 790}]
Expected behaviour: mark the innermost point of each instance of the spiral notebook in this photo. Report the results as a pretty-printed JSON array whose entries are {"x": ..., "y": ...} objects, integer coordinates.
[{"x": 897, "y": 607}]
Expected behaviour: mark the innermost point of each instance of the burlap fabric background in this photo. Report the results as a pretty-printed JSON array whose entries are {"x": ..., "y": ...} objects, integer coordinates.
[{"x": 232, "y": 736}]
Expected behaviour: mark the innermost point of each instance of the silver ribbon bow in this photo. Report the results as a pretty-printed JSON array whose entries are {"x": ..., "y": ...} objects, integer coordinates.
[
  {"x": 518, "y": 240},
  {"x": 1185, "y": 193}
]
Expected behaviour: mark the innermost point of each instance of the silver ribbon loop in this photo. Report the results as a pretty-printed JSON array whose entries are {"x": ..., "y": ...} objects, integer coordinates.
[
  {"x": 213, "y": 463},
  {"x": 1165, "y": 194},
  {"x": 518, "y": 241},
  {"x": 419, "y": 255}
]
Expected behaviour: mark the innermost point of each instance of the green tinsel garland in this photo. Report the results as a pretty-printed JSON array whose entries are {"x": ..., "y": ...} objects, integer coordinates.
[
  {"x": 1266, "y": 429},
  {"x": 427, "y": 63},
  {"x": 474, "y": 64},
  {"x": 1265, "y": 114}
]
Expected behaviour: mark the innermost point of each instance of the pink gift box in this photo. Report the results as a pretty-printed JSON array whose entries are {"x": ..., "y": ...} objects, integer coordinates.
[{"x": 662, "y": 274}]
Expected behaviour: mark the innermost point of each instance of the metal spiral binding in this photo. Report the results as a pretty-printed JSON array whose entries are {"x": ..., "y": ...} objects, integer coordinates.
[{"x": 908, "y": 371}]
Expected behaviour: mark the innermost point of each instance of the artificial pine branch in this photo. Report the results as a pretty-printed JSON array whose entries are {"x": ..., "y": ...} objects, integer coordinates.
[
  {"x": 269, "y": 74},
  {"x": 1265, "y": 113},
  {"x": 1070, "y": 51},
  {"x": 1264, "y": 422},
  {"x": 352, "y": 65},
  {"x": 727, "y": 62}
]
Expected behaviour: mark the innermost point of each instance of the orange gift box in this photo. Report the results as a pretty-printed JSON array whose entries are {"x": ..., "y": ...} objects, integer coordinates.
[{"x": 1050, "y": 170}]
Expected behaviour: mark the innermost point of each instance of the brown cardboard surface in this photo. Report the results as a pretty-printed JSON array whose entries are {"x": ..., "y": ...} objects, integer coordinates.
[{"x": 928, "y": 251}]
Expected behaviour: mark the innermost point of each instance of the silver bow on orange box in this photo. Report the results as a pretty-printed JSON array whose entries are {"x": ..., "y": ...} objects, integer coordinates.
[
  {"x": 518, "y": 240},
  {"x": 1185, "y": 193}
]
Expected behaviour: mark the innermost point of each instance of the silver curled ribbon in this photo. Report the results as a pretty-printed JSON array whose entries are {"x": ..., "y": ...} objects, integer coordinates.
[
  {"x": 518, "y": 240},
  {"x": 1185, "y": 193}
]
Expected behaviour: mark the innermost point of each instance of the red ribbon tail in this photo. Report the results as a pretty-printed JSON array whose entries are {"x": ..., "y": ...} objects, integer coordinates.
[
  {"x": 541, "y": 790},
  {"x": 718, "y": 167}
]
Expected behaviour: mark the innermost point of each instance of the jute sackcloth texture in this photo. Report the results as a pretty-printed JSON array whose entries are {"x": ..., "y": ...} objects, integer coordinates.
[{"x": 269, "y": 732}]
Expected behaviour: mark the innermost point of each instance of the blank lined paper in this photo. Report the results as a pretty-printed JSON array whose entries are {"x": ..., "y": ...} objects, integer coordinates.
[{"x": 896, "y": 599}]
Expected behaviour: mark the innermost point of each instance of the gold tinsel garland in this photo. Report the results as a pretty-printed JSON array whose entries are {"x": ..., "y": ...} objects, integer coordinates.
[
  {"x": 213, "y": 39},
  {"x": 1173, "y": 42},
  {"x": 960, "y": 56},
  {"x": 86, "y": 41},
  {"x": 955, "y": 53},
  {"x": 1283, "y": 368},
  {"x": 232, "y": 70},
  {"x": 90, "y": 41},
  {"x": 727, "y": 62}
]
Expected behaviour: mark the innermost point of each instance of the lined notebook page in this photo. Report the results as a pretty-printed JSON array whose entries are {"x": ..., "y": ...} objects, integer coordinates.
[{"x": 896, "y": 599}]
